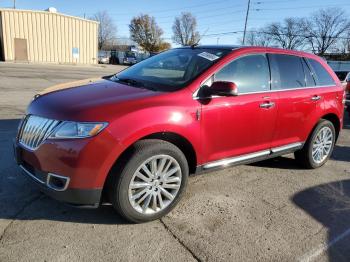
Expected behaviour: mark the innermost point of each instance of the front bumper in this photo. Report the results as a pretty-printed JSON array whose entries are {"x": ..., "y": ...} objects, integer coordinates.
[
  {"x": 74, "y": 196},
  {"x": 70, "y": 170},
  {"x": 79, "y": 197}
]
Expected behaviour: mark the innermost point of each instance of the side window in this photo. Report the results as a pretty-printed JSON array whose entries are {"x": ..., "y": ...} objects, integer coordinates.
[
  {"x": 250, "y": 73},
  {"x": 309, "y": 78},
  {"x": 286, "y": 71},
  {"x": 323, "y": 78}
]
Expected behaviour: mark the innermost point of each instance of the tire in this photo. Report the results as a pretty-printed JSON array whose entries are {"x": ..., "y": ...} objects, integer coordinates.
[
  {"x": 305, "y": 155},
  {"x": 126, "y": 176}
]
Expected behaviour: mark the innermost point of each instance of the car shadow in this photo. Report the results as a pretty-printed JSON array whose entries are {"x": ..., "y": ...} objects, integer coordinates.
[
  {"x": 22, "y": 200},
  {"x": 329, "y": 204},
  {"x": 341, "y": 153},
  {"x": 280, "y": 162}
]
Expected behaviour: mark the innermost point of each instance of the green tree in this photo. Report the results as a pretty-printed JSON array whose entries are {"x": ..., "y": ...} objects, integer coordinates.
[{"x": 145, "y": 32}]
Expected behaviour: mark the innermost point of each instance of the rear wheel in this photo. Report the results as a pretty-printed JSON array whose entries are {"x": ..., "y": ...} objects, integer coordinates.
[
  {"x": 319, "y": 146},
  {"x": 150, "y": 182}
]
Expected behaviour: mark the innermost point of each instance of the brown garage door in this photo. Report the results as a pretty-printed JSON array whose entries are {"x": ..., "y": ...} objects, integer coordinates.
[{"x": 21, "y": 53}]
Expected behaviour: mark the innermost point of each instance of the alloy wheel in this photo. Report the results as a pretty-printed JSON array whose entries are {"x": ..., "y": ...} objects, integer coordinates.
[
  {"x": 155, "y": 184},
  {"x": 322, "y": 144}
]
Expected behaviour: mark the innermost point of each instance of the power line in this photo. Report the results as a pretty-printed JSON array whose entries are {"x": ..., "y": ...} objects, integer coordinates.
[
  {"x": 281, "y": 34},
  {"x": 169, "y": 19},
  {"x": 176, "y": 9},
  {"x": 299, "y": 7},
  {"x": 205, "y": 12}
]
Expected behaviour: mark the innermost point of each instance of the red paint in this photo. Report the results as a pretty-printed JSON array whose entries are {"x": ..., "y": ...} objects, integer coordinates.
[{"x": 227, "y": 127}]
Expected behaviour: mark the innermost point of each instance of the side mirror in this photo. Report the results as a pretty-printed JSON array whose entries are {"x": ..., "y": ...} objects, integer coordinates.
[{"x": 221, "y": 88}]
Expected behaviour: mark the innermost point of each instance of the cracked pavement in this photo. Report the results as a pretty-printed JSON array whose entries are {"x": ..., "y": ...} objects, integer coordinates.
[{"x": 268, "y": 211}]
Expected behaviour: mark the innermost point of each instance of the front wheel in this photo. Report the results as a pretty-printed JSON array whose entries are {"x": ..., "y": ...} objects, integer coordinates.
[
  {"x": 150, "y": 181},
  {"x": 319, "y": 146}
]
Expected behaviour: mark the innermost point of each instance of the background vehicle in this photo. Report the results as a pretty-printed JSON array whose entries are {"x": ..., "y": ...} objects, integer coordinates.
[
  {"x": 129, "y": 58},
  {"x": 138, "y": 135},
  {"x": 346, "y": 84},
  {"x": 344, "y": 77},
  {"x": 103, "y": 57},
  {"x": 103, "y": 60}
]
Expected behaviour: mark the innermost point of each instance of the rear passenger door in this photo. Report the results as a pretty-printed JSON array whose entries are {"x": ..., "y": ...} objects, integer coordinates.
[{"x": 295, "y": 85}]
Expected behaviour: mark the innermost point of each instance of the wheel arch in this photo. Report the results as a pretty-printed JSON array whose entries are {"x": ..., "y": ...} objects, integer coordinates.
[
  {"x": 178, "y": 140},
  {"x": 334, "y": 119},
  {"x": 181, "y": 142}
]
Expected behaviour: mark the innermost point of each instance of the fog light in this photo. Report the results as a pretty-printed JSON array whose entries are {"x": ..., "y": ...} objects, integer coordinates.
[{"x": 56, "y": 182}]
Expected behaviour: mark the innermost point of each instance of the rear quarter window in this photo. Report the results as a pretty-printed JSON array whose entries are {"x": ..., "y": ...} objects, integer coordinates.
[{"x": 323, "y": 78}]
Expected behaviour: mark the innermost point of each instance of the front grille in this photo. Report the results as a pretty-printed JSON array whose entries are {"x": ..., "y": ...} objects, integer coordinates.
[{"x": 35, "y": 130}]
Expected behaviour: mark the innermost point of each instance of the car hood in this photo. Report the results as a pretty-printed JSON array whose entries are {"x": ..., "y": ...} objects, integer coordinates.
[{"x": 86, "y": 100}]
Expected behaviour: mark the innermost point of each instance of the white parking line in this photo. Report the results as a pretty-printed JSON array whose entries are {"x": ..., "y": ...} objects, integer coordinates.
[{"x": 311, "y": 256}]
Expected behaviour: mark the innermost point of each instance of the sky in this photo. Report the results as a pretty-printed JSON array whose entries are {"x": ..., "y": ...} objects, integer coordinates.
[{"x": 213, "y": 16}]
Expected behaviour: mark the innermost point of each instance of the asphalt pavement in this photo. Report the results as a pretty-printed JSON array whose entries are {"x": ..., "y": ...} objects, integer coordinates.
[{"x": 267, "y": 211}]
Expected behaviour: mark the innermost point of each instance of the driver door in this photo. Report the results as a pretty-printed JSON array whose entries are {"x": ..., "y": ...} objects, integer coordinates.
[{"x": 238, "y": 125}]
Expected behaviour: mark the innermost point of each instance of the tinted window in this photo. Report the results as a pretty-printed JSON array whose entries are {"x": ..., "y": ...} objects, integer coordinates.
[
  {"x": 172, "y": 69},
  {"x": 341, "y": 75},
  {"x": 321, "y": 74},
  {"x": 250, "y": 73},
  {"x": 287, "y": 72},
  {"x": 309, "y": 78}
]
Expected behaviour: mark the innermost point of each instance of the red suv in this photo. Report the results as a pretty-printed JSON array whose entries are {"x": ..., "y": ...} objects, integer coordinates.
[{"x": 134, "y": 138}]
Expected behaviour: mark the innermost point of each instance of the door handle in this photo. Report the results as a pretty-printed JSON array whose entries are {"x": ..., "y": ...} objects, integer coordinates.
[
  {"x": 267, "y": 105},
  {"x": 315, "y": 98}
]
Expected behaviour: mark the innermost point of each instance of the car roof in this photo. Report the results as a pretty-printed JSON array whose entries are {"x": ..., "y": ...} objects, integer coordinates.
[
  {"x": 254, "y": 48},
  {"x": 234, "y": 47},
  {"x": 226, "y": 47}
]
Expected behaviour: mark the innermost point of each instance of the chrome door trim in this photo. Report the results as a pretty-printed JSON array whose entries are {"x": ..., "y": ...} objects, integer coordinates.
[
  {"x": 286, "y": 147},
  {"x": 276, "y": 151},
  {"x": 228, "y": 161},
  {"x": 195, "y": 94}
]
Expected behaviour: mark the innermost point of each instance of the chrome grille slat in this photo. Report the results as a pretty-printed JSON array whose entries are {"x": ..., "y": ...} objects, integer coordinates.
[
  {"x": 35, "y": 130},
  {"x": 42, "y": 130},
  {"x": 39, "y": 130}
]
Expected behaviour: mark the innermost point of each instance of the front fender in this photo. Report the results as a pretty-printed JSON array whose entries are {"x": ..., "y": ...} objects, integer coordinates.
[{"x": 131, "y": 127}]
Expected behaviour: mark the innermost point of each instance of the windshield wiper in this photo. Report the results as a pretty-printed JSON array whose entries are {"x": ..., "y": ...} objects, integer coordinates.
[
  {"x": 134, "y": 83},
  {"x": 130, "y": 81}
]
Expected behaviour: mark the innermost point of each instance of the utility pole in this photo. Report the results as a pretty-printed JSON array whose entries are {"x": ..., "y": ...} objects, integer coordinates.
[
  {"x": 246, "y": 21},
  {"x": 14, "y": 4}
]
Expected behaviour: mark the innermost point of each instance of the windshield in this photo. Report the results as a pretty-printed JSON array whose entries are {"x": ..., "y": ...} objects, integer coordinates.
[
  {"x": 171, "y": 70},
  {"x": 130, "y": 54}
]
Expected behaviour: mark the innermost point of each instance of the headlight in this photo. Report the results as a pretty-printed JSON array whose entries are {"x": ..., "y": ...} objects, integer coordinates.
[{"x": 69, "y": 129}]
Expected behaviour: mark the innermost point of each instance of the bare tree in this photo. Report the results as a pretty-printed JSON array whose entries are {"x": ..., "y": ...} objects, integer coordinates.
[
  {"x": 324, "y": 27},
  {"x": 344, "y": 44},
  {"x": 288, "y": 34},
  {"x": 145, "y": 32},
  {"x": 106, "y": 30},
  {"x": 257, "y": 37},
  {"x": 185, "y": 30}
]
